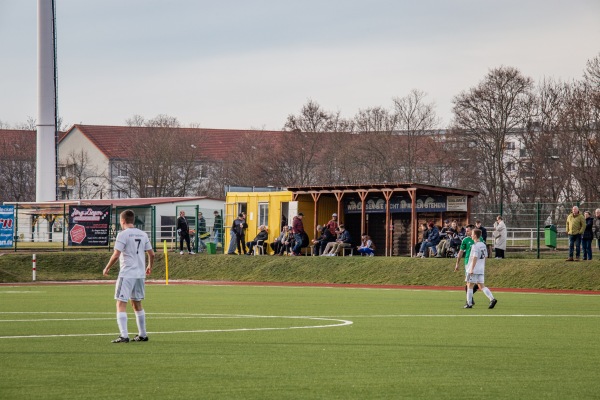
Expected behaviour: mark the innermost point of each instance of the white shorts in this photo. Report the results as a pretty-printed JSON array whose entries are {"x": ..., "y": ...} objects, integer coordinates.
[
  {"x": 474, "y": 278},
  {"x": 130, "y": 289}
]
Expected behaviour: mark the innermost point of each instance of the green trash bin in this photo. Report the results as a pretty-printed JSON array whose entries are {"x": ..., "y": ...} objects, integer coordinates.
[
  {"x": 550, "y": 236},
  {"x": 211, "y": 248}
]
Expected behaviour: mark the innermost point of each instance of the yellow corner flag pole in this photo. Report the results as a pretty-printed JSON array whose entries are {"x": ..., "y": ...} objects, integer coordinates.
[{"x": 166, "y": 262}]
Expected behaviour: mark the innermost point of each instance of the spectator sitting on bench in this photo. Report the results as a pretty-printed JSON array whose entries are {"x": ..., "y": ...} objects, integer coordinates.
[
  {"x": 432, "y": 240},
  {"x": 263, "y": 235},
  {"x": 366, "y": 248},
  {"x": 344, "y": 240},
  {"x": 320, "y": 242},
  {"x": 278, "y": 245}
]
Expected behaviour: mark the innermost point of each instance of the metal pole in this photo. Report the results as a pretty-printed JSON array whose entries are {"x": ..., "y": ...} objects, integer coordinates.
[
  {"x": 33, "y": 268},
  {"x": 45, "y": 186},
  {"x": 538, "y": 228}
]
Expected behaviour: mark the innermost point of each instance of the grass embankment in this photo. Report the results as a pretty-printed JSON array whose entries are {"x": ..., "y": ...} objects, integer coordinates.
[{"x": 508, "y": 273}]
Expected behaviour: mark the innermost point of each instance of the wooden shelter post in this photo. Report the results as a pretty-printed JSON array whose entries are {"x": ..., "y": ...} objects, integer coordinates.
[
  {"x": 338, "y": 196},
  {"x": 389, "y": 238},
  {"x": 413, "y": 219},
  {"x": 363, "y": 195},
  {"x": 315, "y": 197}
]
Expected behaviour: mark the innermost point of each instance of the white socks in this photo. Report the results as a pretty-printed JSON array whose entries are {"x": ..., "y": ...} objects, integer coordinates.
[
  {"x": 122, "y": 323},
  {"x": 487, "y": 292},
  {"x": 470, "y": 296},
  {"x": 140, "y": 318}
]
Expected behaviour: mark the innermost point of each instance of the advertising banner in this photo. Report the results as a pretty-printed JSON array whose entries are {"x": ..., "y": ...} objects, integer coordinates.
[
  {"x": 398, "y": 204},
  {"x": 89, "y": 225},
  {"x": 7, "y": 225},
  {"x": 457, "y": 203}
]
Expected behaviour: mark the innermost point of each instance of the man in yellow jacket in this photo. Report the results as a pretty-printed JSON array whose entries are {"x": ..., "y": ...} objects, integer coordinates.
[{"x": 575, "y": 228}]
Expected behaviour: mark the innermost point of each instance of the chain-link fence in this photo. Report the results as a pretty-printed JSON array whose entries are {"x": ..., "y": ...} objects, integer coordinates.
[{"x": 526, "y": 223}]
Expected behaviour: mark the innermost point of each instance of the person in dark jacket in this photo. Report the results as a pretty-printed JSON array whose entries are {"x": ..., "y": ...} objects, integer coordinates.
[
  {"x": 596, "y": 228},
  {"x": 321, "y": 241},
  {"x": 433, "y": 238},
  {"x": 262, "y": 237},
  {"x": 482, "y": 229},
  {"x": 241, "y": 233},
  {"x": 588, "y": 236},
  {"x": 183, "y": 229}
]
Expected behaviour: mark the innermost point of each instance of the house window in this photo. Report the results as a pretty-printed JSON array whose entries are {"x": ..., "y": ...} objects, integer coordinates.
[
  {"x": 122, "y": 170},
  {"x": 263, "y": 214},
  {"x": 510, "y": 145}
]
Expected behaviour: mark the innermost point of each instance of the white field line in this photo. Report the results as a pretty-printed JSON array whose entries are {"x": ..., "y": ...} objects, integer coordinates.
[{"x": 337, "y": 323}]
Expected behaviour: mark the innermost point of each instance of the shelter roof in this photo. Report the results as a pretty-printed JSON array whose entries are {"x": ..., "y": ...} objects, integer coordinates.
[{"x": 379, "y": 187}]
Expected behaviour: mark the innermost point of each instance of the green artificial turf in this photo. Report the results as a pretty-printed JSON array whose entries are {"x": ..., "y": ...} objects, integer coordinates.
[{"x": 253, "y": 342}]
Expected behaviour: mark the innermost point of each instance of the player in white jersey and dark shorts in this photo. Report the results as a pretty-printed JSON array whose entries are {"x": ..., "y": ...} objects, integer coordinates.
[
  {"x": 475, "y": 270},
  {"x": 131, "y": 246}
]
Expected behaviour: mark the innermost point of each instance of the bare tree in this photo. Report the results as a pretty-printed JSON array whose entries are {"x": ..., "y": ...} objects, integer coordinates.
[
  {"x": 304, "y": 152},
  {"x": 17, "y": 163},
  {"x": 415, "y": 119},
  {"x": 380, "y": 156},
  {"x": 487, "y": 114},
  {"x": 165, "y": 159}
]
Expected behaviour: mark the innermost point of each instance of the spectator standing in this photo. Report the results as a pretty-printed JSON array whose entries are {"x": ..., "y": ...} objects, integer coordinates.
[
  {"x": 332, "y": 224},
  {"x": 298, "y": 231},
  {"x": 234, "y": 233},
  {"x": 499, "y": 236},
  {"x": 217, "y": 227},
  {"x": 482, "y": 229},
  {"x": 183, "y": 229},
  {"x": 588, "y": 236},
  {"x": 201, "y": 232},
  {"x": 241, "y": 234},
  {"x": 575, "y": 228},
  {"x": 596, "y": 229}
]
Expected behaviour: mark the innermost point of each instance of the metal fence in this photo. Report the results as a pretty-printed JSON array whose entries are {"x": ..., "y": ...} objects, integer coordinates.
[
  {"x": 526, "y": 223},
  {"x": 46, "y": 227}
]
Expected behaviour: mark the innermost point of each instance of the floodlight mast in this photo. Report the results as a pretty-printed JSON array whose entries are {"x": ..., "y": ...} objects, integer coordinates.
[{"x": 45, "y": 178}]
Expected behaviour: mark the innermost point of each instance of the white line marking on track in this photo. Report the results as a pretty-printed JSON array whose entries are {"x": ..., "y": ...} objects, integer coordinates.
[{"x": 20, "y": 291}]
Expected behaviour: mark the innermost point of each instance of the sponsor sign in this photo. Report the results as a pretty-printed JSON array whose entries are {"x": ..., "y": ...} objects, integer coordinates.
[
  {"x": 398, "y": 204},
  {"x": 457, "y": 203},
  {"x": 89, "y": 225},
  {"x": 7, "y": 225}
]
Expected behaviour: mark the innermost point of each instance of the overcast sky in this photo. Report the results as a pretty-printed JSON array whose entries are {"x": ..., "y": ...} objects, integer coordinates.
[{"x": 243, "y": 64}]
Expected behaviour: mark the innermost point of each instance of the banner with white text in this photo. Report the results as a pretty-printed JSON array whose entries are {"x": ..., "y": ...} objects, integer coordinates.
[
  {"x": 89, "y": 225},
  {"x": 7, "y": 225}
]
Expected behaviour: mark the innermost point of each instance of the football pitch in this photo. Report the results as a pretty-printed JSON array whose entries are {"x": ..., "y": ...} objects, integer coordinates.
[{"x": 258, "y": 342}]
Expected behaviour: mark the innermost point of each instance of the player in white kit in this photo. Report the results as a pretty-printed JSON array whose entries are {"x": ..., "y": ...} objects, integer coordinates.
[
  {"x": 131, "y": 246},
  {"x": 475, "y": 270}
]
